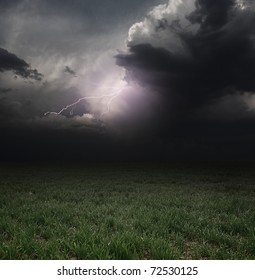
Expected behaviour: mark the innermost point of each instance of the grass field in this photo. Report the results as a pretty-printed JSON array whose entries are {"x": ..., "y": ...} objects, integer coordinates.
[{"x": 127, "y": 211}]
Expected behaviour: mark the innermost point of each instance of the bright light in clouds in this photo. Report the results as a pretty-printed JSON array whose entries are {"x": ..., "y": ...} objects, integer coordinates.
[
  {"x": 249, "y": 99},
  {"x": 245, "y": 5},
  {"x": 101, "y": 82},
  {"x": 160, "y": 17},
  {"x": 241, "y": 4},
  {"x": 105, "y": 92}
]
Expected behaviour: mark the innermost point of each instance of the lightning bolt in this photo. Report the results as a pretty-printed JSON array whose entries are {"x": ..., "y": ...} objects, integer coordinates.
[{"x": 72, "y": 105}]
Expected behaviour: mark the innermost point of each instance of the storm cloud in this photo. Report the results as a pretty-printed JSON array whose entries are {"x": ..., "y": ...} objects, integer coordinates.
[
  {"x": 217, "y": 59},
  {"x": 200, "y": 58},
  {"x": 148, "y": 79},
  {"x": 10, "y": 62}
]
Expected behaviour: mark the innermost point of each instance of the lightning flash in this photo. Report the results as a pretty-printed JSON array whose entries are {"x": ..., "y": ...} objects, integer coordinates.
[{"x": 115, "y": 93}]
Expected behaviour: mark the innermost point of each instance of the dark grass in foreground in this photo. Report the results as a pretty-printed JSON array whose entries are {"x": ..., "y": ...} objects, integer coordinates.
[{"x": 127, "y": 211}]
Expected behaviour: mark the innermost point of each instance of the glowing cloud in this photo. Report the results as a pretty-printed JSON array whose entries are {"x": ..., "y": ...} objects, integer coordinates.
[{"x": 115, "y": 92}]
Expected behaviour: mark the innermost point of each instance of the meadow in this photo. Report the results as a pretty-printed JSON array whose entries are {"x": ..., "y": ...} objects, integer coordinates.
[{"x": 127, "y": 210}]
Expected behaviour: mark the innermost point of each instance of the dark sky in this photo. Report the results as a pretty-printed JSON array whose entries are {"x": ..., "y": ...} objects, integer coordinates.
[{"x": 127, "y": 79}]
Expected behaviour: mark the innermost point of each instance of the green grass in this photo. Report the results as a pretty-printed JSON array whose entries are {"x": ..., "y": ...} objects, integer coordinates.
[{"x": 127, "y": 211}]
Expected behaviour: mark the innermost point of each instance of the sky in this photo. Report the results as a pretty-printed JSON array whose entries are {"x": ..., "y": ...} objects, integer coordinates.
[{"x": 127, "y": 79}]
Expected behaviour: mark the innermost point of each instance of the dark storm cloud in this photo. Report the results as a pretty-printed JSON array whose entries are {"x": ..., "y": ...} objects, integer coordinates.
[
  {"x": 5, "y": 90},
  {"x": 69, "y": 71},
  {"x": 10, "y": 62},
  {"x": 211, "y": 14},
  {"x": 191, "y": 106},
  {"x": 219, "y": 58},
  {"x": 202, "y": 113}
]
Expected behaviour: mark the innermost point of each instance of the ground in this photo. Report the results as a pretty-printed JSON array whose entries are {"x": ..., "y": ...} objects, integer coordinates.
[{"x": 127, "y": 210}]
